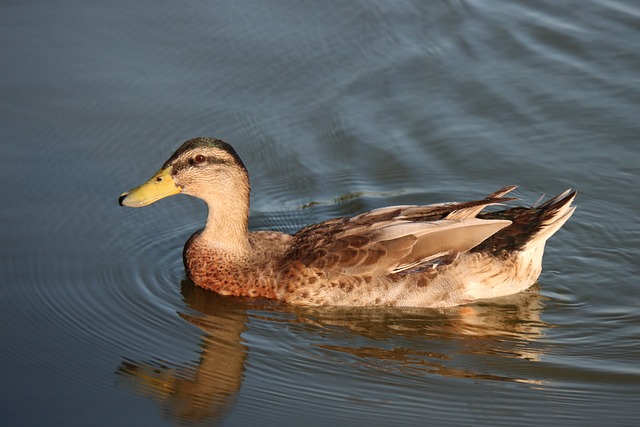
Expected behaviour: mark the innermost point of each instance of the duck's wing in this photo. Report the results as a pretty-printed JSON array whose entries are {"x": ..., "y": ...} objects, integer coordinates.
[{"x": 395, "y": 239}]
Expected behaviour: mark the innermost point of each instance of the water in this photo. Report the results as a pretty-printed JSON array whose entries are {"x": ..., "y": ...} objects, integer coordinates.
[{"x": 335, "y": 108}]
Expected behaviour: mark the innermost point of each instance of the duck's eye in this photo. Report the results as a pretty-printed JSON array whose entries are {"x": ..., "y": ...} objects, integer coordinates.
[{"x": 199, "y": 158}]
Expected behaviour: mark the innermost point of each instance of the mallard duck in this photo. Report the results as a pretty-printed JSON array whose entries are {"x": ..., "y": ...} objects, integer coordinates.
[{"x": 420, "y": 256}]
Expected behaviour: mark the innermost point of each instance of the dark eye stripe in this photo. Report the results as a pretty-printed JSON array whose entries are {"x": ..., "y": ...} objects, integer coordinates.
[{"x": 191, "y": 162}]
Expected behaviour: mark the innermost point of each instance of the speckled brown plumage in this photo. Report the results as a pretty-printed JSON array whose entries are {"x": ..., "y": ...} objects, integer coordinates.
[{"x": 423, "y": 256}]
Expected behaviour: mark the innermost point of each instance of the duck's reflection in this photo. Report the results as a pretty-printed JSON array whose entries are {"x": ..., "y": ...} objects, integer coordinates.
[
  {"x": 204, "y": 390},
  {"x": 422, "y": 341}
]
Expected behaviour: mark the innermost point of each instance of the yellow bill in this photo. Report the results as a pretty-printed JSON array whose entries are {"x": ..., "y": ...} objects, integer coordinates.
[{"x": 160, "y": 185}]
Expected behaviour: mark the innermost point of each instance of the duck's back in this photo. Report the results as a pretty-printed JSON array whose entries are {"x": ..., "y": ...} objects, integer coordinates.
[{"x": 436, "y": 255}]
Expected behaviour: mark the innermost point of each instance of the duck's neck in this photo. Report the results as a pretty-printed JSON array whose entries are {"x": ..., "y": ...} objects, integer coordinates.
[{"x": 227, "y": 225}]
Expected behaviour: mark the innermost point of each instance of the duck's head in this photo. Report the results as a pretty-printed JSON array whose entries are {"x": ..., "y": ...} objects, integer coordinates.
[{"x": 206, "y": 168}]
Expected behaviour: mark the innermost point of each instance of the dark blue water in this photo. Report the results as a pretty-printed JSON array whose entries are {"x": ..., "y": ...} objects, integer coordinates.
[{"x": 335, "y": 108}]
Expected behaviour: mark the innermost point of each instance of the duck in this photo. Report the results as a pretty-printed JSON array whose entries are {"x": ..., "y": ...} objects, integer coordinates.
[{"x": 437, "y": 255}]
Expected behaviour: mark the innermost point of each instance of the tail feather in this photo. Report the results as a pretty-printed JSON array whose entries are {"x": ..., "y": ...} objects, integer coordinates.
[
  {"x": 472, "y": 209},
  {"x": 529, "y": 226},
  {"x": 501, "y": 192},
  {"x": 556, "y": 211}
]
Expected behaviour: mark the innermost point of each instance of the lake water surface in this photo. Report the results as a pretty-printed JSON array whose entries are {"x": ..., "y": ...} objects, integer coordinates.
[{"x": 335, "y": 107}]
